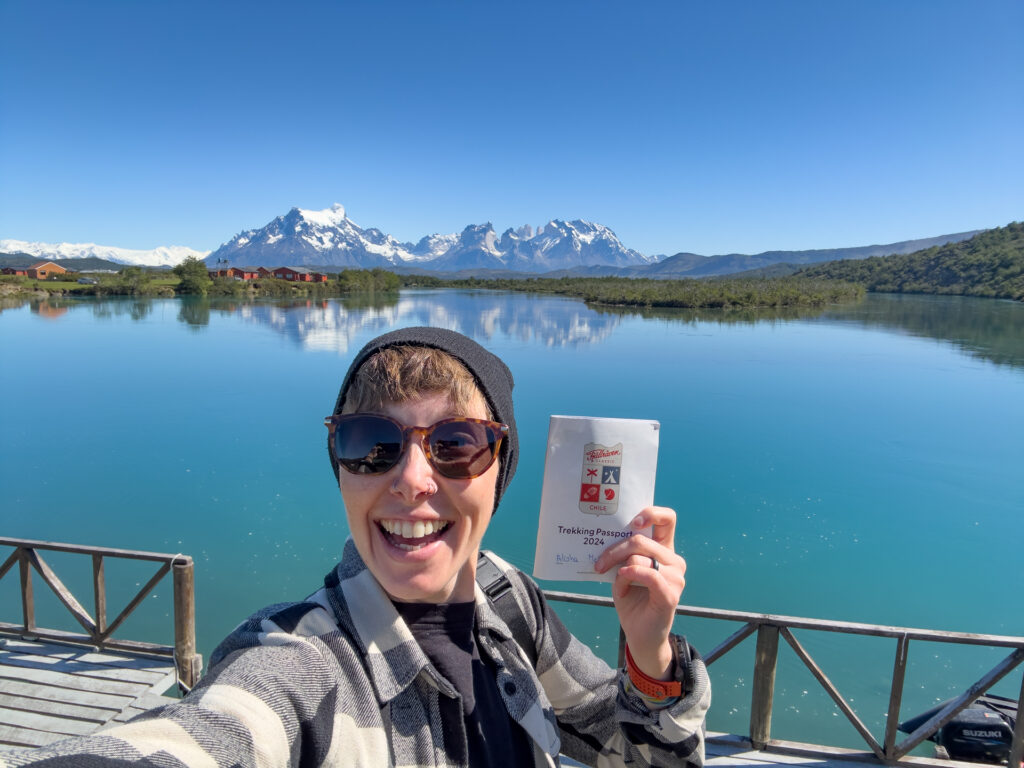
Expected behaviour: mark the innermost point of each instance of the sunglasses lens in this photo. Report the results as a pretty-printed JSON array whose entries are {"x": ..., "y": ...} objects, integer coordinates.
[
  {"x": 462, "y": 449},
  {"x": 367, "y": 444}
]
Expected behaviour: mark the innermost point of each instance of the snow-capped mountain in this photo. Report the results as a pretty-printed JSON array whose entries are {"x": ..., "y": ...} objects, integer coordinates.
[
  {"x": 329, "y": 238},
  {"x": 432, "y": 246},
  {"x": 568, "y": 244},
  {"x": 475, "y": 248},
  {"x": 164, "y": 256},
  {"x": 314, "y": 238}
]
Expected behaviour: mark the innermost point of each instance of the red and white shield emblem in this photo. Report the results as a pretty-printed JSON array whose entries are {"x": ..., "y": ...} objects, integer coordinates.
[{"x": 600, "y": 479}]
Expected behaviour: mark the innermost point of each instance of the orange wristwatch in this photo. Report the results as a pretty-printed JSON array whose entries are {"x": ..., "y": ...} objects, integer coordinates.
[{"x": 662, "y": 689}]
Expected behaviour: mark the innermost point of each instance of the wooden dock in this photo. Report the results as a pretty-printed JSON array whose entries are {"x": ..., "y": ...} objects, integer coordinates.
[
  {"x": 55, "y": 683},
  {"x": 49, "y": 691},
  {"x": 729, "y": 751},
  {"x": 723, "y": 750}
]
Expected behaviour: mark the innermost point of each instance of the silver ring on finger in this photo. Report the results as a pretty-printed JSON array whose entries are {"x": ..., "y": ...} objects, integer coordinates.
[{"x": 655, "y": 565}]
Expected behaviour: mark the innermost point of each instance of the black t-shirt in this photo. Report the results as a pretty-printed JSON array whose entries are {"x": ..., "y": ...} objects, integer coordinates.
[{"x": 445, "y": 633}]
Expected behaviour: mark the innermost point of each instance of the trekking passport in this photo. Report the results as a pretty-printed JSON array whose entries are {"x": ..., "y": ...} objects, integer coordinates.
[{"x": 598, "y": 474}]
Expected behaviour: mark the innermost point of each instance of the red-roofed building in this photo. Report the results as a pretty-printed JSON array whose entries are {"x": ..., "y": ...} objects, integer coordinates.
[
  {"x": 42, "y": 270},
  {"x": 299, "y": 274},
  {"x": 239, "y": 273}
]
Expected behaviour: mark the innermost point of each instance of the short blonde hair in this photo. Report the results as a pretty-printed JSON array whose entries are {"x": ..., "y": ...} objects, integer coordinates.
[{"x": 403, "y": 373}]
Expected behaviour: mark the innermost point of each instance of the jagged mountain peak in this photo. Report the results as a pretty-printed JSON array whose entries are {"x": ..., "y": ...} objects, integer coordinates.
[
  {"x": 329, "y": 238},
  {"x": 329, "y": 217}
]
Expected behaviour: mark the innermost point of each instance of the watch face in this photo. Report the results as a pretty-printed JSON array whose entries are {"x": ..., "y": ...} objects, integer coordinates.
[{"x": 683, "y": 663}]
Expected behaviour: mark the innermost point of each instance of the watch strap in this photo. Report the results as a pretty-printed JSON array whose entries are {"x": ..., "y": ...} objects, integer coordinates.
[{"x": 658, "y": 689}]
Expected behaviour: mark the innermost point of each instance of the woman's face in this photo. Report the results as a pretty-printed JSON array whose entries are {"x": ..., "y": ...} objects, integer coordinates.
[{"x": 417, "y": 531}]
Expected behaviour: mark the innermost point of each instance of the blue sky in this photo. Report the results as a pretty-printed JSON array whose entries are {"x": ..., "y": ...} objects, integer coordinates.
[{"x": 710, "y": 127}]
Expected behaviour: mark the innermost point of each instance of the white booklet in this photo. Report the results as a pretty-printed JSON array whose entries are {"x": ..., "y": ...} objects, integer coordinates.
[{"x": 598, "y": 475}]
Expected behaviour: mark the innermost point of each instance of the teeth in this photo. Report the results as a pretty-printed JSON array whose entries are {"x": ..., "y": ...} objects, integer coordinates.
[{"x": 408, "y": 529}]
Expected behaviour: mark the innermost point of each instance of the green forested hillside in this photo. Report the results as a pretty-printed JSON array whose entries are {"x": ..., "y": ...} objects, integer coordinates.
[{"x": 990, "y": 264}]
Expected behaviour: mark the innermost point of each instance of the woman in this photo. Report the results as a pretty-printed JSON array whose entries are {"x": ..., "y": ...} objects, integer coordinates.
[{"x": 401, "y": 658}]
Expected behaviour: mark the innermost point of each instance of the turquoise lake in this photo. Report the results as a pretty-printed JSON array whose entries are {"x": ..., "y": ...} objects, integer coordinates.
[{"x": 861, "y": 463}]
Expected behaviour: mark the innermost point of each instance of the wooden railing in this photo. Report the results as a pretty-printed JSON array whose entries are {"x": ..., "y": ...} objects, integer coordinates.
[
  {"x": 98, "y": 630},
  {"x": 769, "y": 628}
]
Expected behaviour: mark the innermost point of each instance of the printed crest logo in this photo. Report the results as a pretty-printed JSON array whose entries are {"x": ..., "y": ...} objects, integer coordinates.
[{"x": 600, "y": 478}]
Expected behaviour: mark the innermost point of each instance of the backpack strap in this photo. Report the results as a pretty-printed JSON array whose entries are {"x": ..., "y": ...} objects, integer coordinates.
[{"x": 496, "y": 585}]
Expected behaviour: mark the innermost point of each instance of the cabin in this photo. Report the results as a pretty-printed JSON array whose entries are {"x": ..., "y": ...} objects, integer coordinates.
[
  {"x": 244, "y": 273},
  {"x": 238, "y": 273},
  {"x": 291, "y": 274},
  {"x": 43, "y": 270},
  {"x": 299, "y": 274},
  {"x": 14, "y": 271}
]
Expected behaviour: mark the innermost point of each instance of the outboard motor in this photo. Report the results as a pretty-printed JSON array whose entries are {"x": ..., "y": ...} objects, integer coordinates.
[{"x": 981, "y": 733}]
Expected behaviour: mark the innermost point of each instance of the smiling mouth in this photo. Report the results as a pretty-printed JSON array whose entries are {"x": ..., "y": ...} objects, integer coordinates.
[{"x": 410, "y": 536}]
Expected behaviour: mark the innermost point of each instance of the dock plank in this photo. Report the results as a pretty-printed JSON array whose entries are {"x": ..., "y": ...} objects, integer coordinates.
[
  {"x": 82, "y": 669},
  {"x": 54, "y": 707},
  {"x": 49, "y": 690},
  {"x": 31, "y": 674},
  {"x": 12, "y": 737},
  {"x": 730, "y": 751},
  {"x": 86, "y": 655},
  {"x": 49, "y": 723},
  {"x": 55, "y": 693}
]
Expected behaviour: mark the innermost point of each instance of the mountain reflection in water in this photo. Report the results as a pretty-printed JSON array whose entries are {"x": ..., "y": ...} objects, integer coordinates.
[
  {"x": 332, "y": 324},
  {"x": 987, "y": 329}
]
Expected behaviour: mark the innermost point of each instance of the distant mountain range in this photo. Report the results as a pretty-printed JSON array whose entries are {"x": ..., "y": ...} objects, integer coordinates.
[
  {"x": 164, "y": 256},
  {"x": 693, "y": 265},
  {"x": 20, "y": 260},
  {"x": 329, "y": 240}
]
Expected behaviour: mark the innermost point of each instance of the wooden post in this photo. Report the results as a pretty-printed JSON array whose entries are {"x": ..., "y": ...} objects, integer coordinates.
[
  {"x": 28, "y": 602},
  {"x": 899, "y": 673},
  {"x": 766, "y": 657},
  {"x": 185, "y": 622},
  {"x": 1017, "y": 744},
  {"x": 99, "y": 588}
]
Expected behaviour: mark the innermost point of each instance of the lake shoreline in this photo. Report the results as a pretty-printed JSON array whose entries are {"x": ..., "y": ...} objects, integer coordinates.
[{"x": 604, "y": 292}]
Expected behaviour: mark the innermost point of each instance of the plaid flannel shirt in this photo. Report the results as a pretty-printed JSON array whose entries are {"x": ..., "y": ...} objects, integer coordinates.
[{"x": 338, "y": 680}]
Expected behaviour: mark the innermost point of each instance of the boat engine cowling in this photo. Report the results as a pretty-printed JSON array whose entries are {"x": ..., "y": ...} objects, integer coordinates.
[
  {"x": 977, "y": 734},
  {"x": 981, "y": 733}
]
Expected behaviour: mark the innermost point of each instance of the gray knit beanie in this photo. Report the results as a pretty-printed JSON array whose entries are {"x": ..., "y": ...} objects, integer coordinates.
[{"x": 492, "y": 376}]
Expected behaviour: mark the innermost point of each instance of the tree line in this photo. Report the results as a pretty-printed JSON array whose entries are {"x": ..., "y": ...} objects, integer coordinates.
[{"x": 689, "y": 294}]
